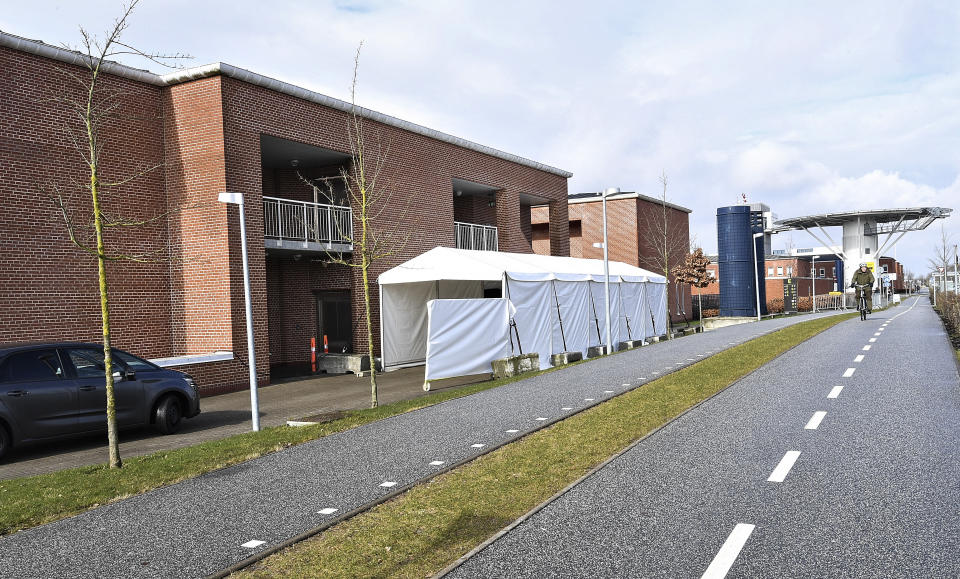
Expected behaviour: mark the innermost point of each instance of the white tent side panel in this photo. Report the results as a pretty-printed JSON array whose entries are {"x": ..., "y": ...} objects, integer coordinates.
[
  {"x": 599, "y": 301},
  {"x": 465, "y": 335},
  {"x": 576, "y": 314},
  {"x": 533, "y": 300},
  {"x": 655, "y": 318},
  {"x": 404, "y": 316},
  {"x": 631, "y": 295}
]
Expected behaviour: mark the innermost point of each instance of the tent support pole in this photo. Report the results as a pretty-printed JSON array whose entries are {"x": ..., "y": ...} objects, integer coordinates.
[
  {"x": 596, "y": 320},
  {"x": 556, "y": 300},
  {"x": 624, "y": 310}
]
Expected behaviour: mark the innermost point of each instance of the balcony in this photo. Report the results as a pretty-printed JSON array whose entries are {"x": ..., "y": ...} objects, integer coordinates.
[
  {"x": 473, "y": 236},
  {"x": 303, "y": 226}
]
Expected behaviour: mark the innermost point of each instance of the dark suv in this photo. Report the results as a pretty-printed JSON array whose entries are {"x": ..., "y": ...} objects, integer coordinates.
[{"x": 58, "y": 389}]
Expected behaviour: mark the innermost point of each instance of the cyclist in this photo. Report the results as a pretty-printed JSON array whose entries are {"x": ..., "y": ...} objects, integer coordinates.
[{"x": 863, "y": 281}]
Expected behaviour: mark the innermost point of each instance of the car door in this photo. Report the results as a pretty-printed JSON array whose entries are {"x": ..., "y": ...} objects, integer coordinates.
[
  {"x": 92, "y": 391},
  {"x": 41, "y": 398}
]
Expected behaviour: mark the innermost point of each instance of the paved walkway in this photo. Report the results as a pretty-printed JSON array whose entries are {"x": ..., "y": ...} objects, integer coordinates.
[
  {"x": 228, "y": 414},
  {"x": 209, "y": 523}
]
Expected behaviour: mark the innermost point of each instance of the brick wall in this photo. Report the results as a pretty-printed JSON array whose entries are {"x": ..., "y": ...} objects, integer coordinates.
[
  {"x": 207, "y": 135},
  {"x": 48, "y": 287}
]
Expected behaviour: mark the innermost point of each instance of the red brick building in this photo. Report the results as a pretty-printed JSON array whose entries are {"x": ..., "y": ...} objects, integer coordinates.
[
  {"x": 219, "y": 128},
  {"x": 632, "y": 220},
  {"x": 780, "y": 267}
]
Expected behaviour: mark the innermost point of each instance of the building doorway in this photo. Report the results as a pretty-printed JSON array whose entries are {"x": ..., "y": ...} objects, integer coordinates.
[{"x": 335, "y": 321}]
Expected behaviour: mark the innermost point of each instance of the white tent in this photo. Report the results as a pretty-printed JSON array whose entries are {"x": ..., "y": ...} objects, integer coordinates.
[{"x": 559, "y": 301}]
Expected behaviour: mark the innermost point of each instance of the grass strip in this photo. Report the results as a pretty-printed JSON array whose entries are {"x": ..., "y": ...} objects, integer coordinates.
[
  {"x": 30, "y": 501},
  {"x": 430, "y": 526}
]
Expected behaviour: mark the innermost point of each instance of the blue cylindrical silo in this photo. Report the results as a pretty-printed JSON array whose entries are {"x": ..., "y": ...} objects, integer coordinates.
[{"x": 735, "y": 244}]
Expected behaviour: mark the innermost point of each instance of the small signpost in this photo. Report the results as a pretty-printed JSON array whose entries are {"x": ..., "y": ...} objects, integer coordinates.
[{"x": 790, "y": 295}]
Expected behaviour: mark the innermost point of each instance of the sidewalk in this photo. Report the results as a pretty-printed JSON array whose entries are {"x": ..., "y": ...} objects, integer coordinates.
[
  {"x": 228, "y": 414},
  {"x": 208, "y": 523}
]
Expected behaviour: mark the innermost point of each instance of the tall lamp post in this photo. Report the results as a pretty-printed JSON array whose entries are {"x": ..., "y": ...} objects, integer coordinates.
[
  {"x": 813, "y": 284},
  {"x": 606, "y": 265},
  {"x": 237, "y": 199},
  {"x": 756, "y": 272}
]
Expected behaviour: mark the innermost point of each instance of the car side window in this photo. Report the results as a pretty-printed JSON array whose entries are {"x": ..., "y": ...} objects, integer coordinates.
[
  {"x": 88, "y": 363},
  {"x": 133, "y": 362},
  {"x": 32, "y": 366}
]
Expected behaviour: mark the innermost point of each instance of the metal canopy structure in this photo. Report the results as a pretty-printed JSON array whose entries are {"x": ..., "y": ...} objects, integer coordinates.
[{"x": 861, "y": 230}]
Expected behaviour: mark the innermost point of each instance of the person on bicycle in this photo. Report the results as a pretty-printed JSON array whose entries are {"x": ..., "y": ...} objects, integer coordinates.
[{"x": 863, "y": 282}]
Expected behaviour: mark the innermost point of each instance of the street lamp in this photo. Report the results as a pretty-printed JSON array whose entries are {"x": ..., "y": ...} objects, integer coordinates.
[
  {"x": 237, "y": 199},
  {"x": 756, "y": 272},
  {"x": 813, "y": 284},
  {"x": 606, "y": 264}
]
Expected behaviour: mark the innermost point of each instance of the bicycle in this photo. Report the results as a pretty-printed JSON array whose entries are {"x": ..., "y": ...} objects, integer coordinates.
[{"x": 862, "y": 300}]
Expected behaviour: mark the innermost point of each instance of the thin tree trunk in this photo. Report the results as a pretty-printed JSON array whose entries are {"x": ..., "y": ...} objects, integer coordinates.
[
  {"x": 373, "y": 364},
  {"x": 112, "y": 438}
]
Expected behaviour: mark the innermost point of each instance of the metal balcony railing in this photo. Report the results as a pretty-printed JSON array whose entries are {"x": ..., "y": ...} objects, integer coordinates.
[
  {"x": 303, "y": 223},
  {"x": 473, "y": 236}
]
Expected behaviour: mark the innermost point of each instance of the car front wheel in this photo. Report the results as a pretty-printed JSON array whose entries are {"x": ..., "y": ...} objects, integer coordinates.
[{"x": 168, "y": 415}]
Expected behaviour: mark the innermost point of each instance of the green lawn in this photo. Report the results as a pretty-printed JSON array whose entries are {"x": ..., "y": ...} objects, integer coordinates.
[{"x": 423, "y": 530}]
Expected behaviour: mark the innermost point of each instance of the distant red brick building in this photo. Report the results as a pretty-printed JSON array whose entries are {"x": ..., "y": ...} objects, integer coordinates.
[
  {"x": 219, "y": 128},
  {"x": 630, "y": 227},
  {"x": 782, "y": 267}
]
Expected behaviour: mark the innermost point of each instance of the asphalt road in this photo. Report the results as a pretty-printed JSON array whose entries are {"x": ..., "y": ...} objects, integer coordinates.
[
  {"x": 206, "y": 524},
  {"x": 874, "y": 490}
]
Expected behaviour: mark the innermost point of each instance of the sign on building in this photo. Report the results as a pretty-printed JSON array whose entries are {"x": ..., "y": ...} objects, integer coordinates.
[{"x": 790, "y": 295}]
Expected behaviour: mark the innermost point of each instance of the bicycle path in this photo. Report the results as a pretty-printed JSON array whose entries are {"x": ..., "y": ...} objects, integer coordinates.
[{"x": 839, "y": 458}]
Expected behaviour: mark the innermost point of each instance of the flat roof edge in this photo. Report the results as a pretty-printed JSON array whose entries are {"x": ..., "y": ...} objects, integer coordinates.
[
  {"x": 39, "y": 48},
  {"x": 573, "y": 200}
]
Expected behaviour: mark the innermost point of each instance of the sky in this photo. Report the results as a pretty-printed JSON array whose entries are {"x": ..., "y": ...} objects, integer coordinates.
[{"x": 809, "y": 107}]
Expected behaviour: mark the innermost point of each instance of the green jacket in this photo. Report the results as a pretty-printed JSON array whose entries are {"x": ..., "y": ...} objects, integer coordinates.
[{"x": 862, "y": 277}]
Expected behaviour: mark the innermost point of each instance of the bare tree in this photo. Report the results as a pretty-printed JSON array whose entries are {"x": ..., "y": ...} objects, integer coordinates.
[
  {"x": 667, "y": 247},
  {"x": 693, "y": 271},
  {"x": 373, "y": 238},
  {"x": 94, "y": 105},
  {"x": 942, "y": 252}
]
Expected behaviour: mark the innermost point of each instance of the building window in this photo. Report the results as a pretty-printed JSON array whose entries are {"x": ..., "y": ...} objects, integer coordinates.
[
  {"x": 884, "y": 269},
  {"x": 711, "y": 273},
  {"x": 779, "y": 270},
  {"x": 789, "y": 271},
  {"x": 823, "y": 272},
  {"x": 770, "y": 271}
]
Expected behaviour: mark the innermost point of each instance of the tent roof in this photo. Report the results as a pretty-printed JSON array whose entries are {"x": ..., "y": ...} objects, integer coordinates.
[{"x": 442, "y": 263}]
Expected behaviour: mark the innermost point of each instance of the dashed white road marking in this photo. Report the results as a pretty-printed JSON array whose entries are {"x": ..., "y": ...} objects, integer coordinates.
[
  {"x": 327, "y": 511},
  {"x": 608, "y": 391},
  {"x": 479, "y": 445},
  {"x": 835, "y": 392},
  {"x": 783, "y": 468},
  {"x": 625, "y": 385},
  {"x": 513, "y": 431},
  {"x": 390, "y": 483},
  {"x": 541, "y": 418},
  {"x": 877, "y": 334},
  {"x": 728, "y": 553},
  {"x": 566, "y": 408},
  {"x": 589, "y": 399},
  {"x": 815, "y": 420},
  {"x": 859, "y": 358},
  {"x": 849, "y": 372},
  {"x": 436, "y": 462},
  {"x": 253, "y": 544},
  {"x": 866, "y": 348},
  {"x": 872, "y": 340},
  {"x": 881, "y": 328}
]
